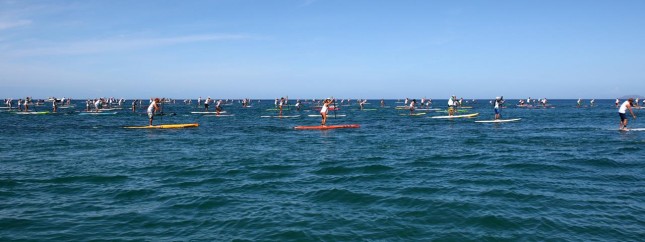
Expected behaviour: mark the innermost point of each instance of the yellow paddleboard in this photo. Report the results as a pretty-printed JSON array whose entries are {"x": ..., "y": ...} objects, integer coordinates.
[{"x": 164, "y": 126}]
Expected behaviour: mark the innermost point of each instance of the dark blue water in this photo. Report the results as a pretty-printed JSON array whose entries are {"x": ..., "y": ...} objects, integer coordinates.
[{"x": 560, "y": 174}]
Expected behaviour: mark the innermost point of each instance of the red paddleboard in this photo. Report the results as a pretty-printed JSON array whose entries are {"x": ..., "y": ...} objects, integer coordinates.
[{"x": 320, "y": 127}]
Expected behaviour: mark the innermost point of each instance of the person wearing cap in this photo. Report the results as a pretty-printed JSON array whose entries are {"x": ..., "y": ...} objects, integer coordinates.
[
  {"x": 627, "y": 105},
  {"x": 152, "y": 109}
]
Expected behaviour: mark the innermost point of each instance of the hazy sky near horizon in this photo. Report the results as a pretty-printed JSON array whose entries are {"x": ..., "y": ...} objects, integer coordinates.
[{"x": 322, "y": 48}]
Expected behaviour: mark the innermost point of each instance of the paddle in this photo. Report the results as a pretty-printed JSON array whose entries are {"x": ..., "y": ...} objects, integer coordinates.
[{"x": 334, "y": 99}]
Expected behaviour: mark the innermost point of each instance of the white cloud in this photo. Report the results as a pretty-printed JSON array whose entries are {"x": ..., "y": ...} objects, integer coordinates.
[
  {"x": 13, "y": 24},
  {"x": 119, "y": 44}
]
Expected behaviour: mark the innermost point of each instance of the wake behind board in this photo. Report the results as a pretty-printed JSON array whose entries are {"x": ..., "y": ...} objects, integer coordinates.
[
  {"x": 321, "y": 127},
  {"x": 163, "y": 126},
  {"x": 457, "y": 116},
  {"x": 221, "y": 115},
  {"x": 498, "y": 120}
]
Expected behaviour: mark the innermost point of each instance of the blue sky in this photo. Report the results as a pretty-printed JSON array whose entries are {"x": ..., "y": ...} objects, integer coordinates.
[{"x": 321, "y": 48}]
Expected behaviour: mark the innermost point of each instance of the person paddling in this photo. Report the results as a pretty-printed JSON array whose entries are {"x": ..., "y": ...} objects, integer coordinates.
[
  {"x": 152, "y": 109},
  {"x": 627, "y": 105},
  {"x": 323, "y": 111},
  {"x": 498, "y": 103},
  {"x": 412, "y": 103}
]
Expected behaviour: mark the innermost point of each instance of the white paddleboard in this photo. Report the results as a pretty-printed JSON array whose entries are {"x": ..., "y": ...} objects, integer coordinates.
[
  {"x": 634, "y": 129},
  {"x": 328, "y": 115},
  {"x": 221, "y": 115},
  {"x": 209, "y": 112},
  {"x": 457, "y": 116},
  {"x": 414, "y": 114},
  {"x": 498, "y": 120},
  {"x": 283, "y": 116}
]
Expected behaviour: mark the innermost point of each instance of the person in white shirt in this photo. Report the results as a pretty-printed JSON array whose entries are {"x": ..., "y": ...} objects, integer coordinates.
[
  {"x": 323, "y": 111},
  {"x": 152, "y": 109},
  {"x": 627, "y": 105}
]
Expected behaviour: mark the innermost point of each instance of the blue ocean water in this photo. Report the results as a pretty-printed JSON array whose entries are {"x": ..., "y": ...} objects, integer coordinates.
[{"x": 558, "y": 174}]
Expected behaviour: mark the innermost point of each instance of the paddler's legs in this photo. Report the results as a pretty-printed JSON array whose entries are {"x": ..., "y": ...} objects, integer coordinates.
[
  {"x": 324, "y": 119},
  {"x": 150, "y": 117}
]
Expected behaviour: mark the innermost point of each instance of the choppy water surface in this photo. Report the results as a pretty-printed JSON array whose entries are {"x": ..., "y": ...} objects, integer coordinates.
[{"x": 560, "y": 173}]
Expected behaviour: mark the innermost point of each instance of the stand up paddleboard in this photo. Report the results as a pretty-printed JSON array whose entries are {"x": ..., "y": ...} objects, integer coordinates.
[
  {"x": 328, "y": 115},
  {"x": 283, "y": 116},
  {"x": 457, "y": 116},
  {"x": 635, "y": 129},
  {"x": 44, "y": 112},
  {"x": 97, "y": 113},
  {"x": 221, "y": 115},
  {"x": 320, "y": 127},
  {"x": 414, "y": 114},
  {"x": 209, "y": 112},
  {"x": 163, "y": 126},
  {"x": 498, "y": 120}
]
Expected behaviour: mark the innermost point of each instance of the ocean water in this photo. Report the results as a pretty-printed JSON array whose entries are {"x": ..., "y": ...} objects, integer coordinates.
[{"x": 559, "y": 174}]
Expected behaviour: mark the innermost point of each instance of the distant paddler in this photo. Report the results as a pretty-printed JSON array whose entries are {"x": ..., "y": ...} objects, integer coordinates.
[
  {"x": 97, "y": 104},
  {"x": 26, "y": 103},
  {"x": 579, "y": 102},
  {"x": 134, "y": 105},
  {"x": 280, "y": 104},
  {"x": 592, "y": 102},
  {"x": 54, "y": 106},
  {"x": 206, "y": 103},
  {"x": 152, "y": 109},
  {"x": 218, "y": 107},
  {"x": 627, "y": 105},
  {"x": 298, "y": 105},
  {"x": 412, "y": 103}
]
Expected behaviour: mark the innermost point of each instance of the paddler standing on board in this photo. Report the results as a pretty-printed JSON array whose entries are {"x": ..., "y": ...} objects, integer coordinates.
[
  {"x": 280, "y": 104},
  {"x": 627, "y": 105},
  {"x": 498, "y": 103},
  {"x": 152, "y": 109},
  {"x": 323, "y": 111},
  {"x": 218, "y": 107},
  {"x": 451, "y": 104},
  {"x": 54, "y": 106},
  {"x": 206, "y": 103},
  {"x": 412, "y": 103}
]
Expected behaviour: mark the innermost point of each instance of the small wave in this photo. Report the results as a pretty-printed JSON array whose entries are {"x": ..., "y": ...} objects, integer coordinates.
[
  {"x": 342, "y": 196},
  {"x": 88, "y": 179}
]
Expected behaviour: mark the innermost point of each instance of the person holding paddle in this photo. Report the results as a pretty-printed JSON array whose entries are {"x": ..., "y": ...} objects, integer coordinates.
[
  {"x": 152, "y": 109},
  {"x": 627, "y": 105},
  {"x": 323, "y": 111},
  {"x": 498, "y": 103}
]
